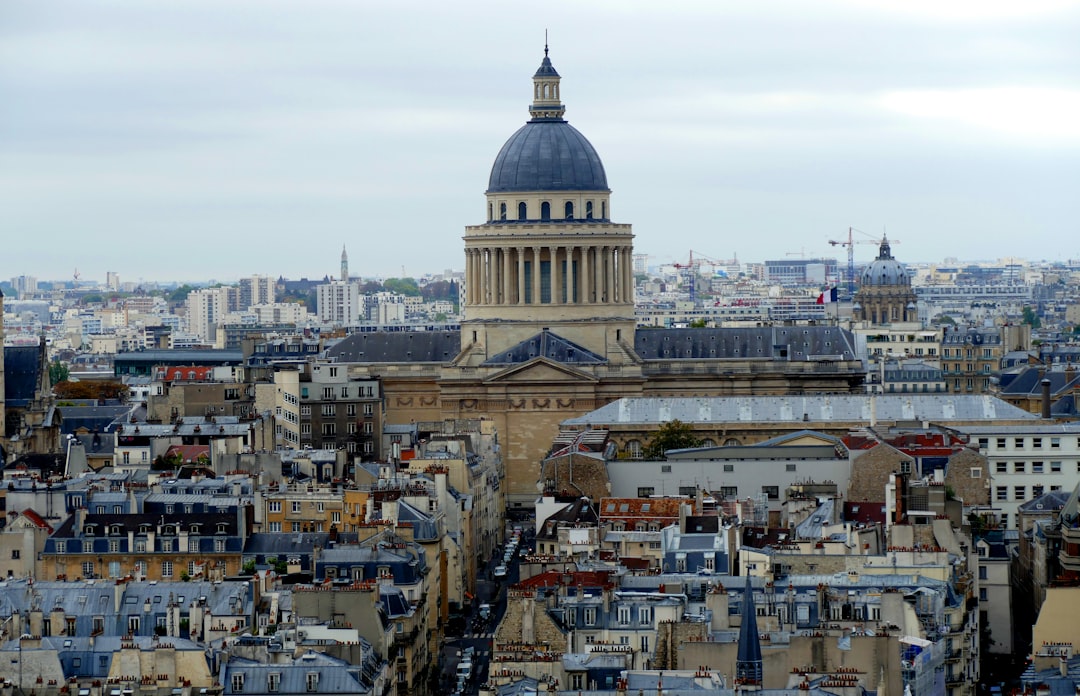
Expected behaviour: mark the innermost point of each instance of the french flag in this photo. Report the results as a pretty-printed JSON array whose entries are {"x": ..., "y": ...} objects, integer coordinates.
[{"x": 828, "y": 297}]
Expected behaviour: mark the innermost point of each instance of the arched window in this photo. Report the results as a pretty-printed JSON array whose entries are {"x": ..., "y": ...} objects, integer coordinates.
[
  {"x": 732, "y": 442},
  {"x": 522, "y": 210},
  {"x": 569, "y": 210},
  {"x": 491, "y": 215},
  {"x": 588, "y": 210},
  {"x": 502, "y": 211},
  {"x": 633, "y": 449},
  {"x": 545, "y": 211},
  {"x": 603, "y": 210}
]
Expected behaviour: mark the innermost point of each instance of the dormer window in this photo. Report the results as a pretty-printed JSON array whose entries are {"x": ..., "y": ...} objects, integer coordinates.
[
  {"x": 115, "y": 530},
  {"x": 144, "y": 529},
  {"x": 222, "y": 528},
  {"x": 89, "y": 530}
]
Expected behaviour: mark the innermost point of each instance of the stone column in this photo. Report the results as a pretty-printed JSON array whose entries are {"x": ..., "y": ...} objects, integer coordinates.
[
  {"x": 556, "y": 275},
  {"x": 598, "y": 281},
  {"x": 536, "y": 276},
  {"x": 586, "y": 284},
  {"x": 570, "y": 274},
  {"x": 521, "y": 275},
  {"x": 506, "y": 276},
  {"x": 628, "y": 274}
]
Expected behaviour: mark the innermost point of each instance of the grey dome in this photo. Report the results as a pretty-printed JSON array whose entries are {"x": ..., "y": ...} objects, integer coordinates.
[
  {"x": 547, "y": 155},
  {"x": 885, "y": 270}
]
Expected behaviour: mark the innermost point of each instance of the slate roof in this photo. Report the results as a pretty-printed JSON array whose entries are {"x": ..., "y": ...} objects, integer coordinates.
[
  {"x": 1028, "y": 382},
  {"x": 547, "y": 155},
  {"x": 801, "y": 343},
  {"x": 335, "y": 676},
  {"x": 548, "y": 345},
  {"x": 396, "y": 347},
  {"x": 815, "y": 408},
  {"x": 93, "y": 418},
  {"x": 97, "y": 443},
  {"x": 22, "y": 370}
]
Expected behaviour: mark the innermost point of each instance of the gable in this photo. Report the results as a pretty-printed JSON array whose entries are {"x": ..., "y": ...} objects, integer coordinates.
[{"x": 540, "y": 370}]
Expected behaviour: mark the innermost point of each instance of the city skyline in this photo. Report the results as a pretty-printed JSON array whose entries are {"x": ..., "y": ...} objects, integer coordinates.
[{"x": 224, "y": 140}]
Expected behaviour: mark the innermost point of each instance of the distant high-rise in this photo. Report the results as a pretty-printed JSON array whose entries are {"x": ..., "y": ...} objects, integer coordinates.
[
  {"x": 344, "y": 265},
  {"x": 256, "y": 290}
]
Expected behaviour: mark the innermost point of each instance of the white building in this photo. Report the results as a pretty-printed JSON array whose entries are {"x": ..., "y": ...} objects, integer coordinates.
[
  {"x": 1027, "y": 461},
  {"x": 339, "y": 303}
]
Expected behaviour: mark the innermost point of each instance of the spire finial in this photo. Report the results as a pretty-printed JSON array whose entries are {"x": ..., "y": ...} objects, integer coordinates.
[{"x": 545, "y": 43}]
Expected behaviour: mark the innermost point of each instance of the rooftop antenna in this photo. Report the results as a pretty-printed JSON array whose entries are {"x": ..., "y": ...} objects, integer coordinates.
[{"x": 545, "y": 43}]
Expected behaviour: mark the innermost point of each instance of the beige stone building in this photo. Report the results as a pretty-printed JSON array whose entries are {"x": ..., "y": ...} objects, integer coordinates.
[{"x": 549, "y": 330}]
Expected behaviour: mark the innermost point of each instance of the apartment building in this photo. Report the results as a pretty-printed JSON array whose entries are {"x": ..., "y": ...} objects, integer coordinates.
[{"x": 1026, "y": 462}]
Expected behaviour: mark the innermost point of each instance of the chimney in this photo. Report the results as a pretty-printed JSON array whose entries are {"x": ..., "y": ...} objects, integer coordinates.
[{"x": 1045, "y": 383}]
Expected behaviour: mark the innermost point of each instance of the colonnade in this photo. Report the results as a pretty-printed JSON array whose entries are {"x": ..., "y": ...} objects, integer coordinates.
[{"x": 568, "y": 274}]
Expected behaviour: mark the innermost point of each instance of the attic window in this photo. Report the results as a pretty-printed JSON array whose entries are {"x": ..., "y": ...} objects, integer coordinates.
[
  {"x": 611, "y": 507},
  {"x": 645, "y": 507}
]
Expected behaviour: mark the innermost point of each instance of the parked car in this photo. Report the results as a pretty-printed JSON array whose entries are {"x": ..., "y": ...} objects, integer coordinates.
[
  {"x": 485, "y": 613},
  {"x": 500, "y": 571}
]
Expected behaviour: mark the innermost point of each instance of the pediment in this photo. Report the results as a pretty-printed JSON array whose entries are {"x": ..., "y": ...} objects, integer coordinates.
[{"x": 541, "y": 370}]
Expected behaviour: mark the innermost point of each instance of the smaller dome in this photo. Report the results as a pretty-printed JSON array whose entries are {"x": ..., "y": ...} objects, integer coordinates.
[{"x": 885, "y": 270}]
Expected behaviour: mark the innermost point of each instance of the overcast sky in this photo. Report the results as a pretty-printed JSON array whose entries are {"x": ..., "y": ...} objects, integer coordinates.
[{"x": 196, "y": 139}]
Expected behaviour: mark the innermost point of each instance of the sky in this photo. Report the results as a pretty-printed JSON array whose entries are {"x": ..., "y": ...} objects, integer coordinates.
[{"x": 199, "y": 139}]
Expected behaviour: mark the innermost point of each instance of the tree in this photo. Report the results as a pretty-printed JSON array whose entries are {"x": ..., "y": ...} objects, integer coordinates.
[
  {"x": 1031, "y": 318},
  {"x": 402, "y": 286},
  {"x": 58, "y": 372},
  {"x": 698, "y": 324},
  {"x": 671, "y": 435},
  {"x": 180, "y": 294}
]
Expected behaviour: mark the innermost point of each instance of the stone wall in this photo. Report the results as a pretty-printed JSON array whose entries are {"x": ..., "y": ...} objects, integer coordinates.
[{"x": 870, "y": 472}]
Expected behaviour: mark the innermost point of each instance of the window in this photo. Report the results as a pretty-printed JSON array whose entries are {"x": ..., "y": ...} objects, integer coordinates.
[
  {"x": 133, "y": 624},
  {"x": 369, "y": 409},
  {"x": 1036, "y": 467},
  {"x": 369, "y": 428},
  {"x": 982, "y": 594},
  {"x": 219, "y": 545},
  {"x": 1036, "y": 443},
  {"x": 1019, "y": 467},
  {"x": 1018, "y": 442},
  {"x": 1055, "y": 467},
  {"x": 275, "y": 506},
  {"x": 166, "y": 569},
  {"x": 166, "y": 545},
  {"x": 312, "y": 681},
  {"x": 729, "y": 468},
  {"x": 576, "y": 678},
  {"x": 296, "y": 506},
  {"x": 15, "y": 554},
  {"x": 729, "y": 491},
  {"x": 590, "y": 616},
  {"x": 1001, "y": 467},
  {"x": 275, "y": 527},
  {"x": 1036, "y": 491},
  {"x": 1019, "y": 492},
  {"x": 624, "y": 615},
  {"x": 1001, "y": 443},
  {"x": 1001, "y": 493},
  {"x": 772, "y": 492},
  {"x": 688, "y": 491},
  {"x": 273, "y": 682},
  {"x": 329, "y": 410},
  {"x": 905, "y": 467},
  {"x": 1055, "y": 443},
  {"x": 790, "y": 467},
  {"x": 645, "y": 491},
  {"x": 88, "y": 569},
  {"x": 329, "y": 429},
  {"x": 976, "y": 472},
  {"x": 665, "y": 468},
  {"x": 238, "y": 682},
  {"x": 335, "y": 517},
  {"x": 114, "y": 546}
]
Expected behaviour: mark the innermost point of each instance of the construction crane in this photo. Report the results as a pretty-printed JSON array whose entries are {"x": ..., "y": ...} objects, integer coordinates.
[
  {"x": 689, "y": 271},
  {"x": 850, "y": 244}
]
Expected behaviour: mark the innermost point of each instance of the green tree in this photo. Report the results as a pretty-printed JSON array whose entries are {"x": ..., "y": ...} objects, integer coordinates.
[
  {"x": 402, "y": 286},
  {"x": 58, "y": 372},
  {"x": 671, "y": 435},
  {"x": 92, "y": 298},
  {"x": 180, "y": 294},
  {"x": 698, "y": 324},
  {"x": 1031, "y": 318}
]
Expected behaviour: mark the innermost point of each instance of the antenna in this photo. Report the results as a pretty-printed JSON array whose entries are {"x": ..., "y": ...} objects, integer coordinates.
[{"x": 545, "y": 43}]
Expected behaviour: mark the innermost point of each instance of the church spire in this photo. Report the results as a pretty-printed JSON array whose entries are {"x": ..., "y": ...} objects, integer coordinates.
[
  {"x": 344, "y": 265},
  {"x": 885, "y": 251},
  {"x": 748, "y": 669},
  {"x": 546, "y": 105}
]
